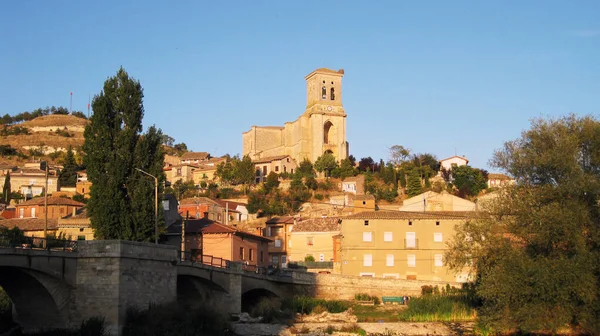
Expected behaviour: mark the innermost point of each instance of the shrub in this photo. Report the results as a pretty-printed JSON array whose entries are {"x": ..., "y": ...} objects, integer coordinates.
[
  {"x": 309, "y": 258},
  {"x": 306, "y": 305},
  {"x": 319, "y": 197}
]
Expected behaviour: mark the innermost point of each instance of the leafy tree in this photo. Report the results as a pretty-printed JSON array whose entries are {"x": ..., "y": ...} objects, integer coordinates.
[
  {"x": 112, "y": 154},
  {"x": 325, "y": 163},
  {"x": 535, "y": 255},
  {"x": 68, "y": 176},
  {"x": 367, "y": 164},
  {"x": 6, "y": 193},
  {"x": 413, "y": 187},
  {"x": 167, "y": 140},
  {"x": 180, "y": 148},
  {"x": 244, "y": 172},
  {"x": 469, "y": 181},
  {"x": 305, "y": 169},
  {"x": 346, "y": 169},
  {"x": 225, "y": 172},
  {"x": 7, "y": 150},
  {"x": 311, "y": 183},
  {"x": 398, "y": 154},
  {"x": 272, "y": 182}
]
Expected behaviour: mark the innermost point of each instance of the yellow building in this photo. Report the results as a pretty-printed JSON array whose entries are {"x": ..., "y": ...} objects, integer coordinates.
[
  {"x": 322, "y": 127},
  {"x": 402, "y": 245},
  {"x": 432, "y": 201},
  {"x": 313, "y": 237},
  {"x": 76, "y": 226}
]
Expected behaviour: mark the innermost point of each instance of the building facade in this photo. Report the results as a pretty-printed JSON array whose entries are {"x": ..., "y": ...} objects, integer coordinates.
[
  {"x": 320, "y": 129},
  {"x": 278, "y": 229},
  {"x": 393, "y": 244},
  {"x": 313, "y": 237}
]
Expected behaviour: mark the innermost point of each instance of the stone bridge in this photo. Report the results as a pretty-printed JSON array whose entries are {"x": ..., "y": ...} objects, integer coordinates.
[{"x": 52, "y": 289}]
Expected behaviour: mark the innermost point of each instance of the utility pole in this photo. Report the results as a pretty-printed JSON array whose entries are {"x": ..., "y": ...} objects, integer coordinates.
[
  {"x": 155, "y": 203},
  {"x": 183, "y": 250},
  {"x": 44, "y": 165}
]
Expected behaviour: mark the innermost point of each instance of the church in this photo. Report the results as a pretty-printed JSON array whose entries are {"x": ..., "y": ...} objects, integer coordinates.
[{"x": 320, "y": 129}]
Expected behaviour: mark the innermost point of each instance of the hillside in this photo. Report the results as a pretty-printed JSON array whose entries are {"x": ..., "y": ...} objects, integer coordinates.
[{"x": 47, "y": 134}]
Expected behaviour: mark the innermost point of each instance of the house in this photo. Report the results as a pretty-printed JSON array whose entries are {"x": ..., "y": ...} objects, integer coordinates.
[
  {"x": 222, "y": 211},
  {"x": 278, "y": 230},
  {"x": 83, "y": 185},
  {"x": 57, "y": 207},
  {"x": 170, "y": 209},
  {"x": 278, "y": 164},
  {"x": 363, "y": 203},
  {"x": 455, "y": 160},
  {"x": 313, "y": 237},
  {"x": 76, "y": 225},
  {"x": 194, "y": 157},
  {"x": 499, "y": 180},
  {"x": 193, "y": 236},
  {"x": 30, "y": 181},
  {"x": 32, "y": 227},
  {"x": 433, "y": 201},
  {"x": 183, "y": 172},
  {"x": 354, "y": 185},
  {"x": 401, "y": 245},
  {"x": 229, "y": 243}
]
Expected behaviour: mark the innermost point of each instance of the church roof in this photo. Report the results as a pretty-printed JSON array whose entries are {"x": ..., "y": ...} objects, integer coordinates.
[
  {"x": 325, "y": 70},
  {"x": 270, "y": 159}
]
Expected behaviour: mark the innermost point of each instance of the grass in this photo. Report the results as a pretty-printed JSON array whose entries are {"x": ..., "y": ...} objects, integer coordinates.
[
  {"x": 377, "y": 313},
  {"x": 439, "y": 308}
]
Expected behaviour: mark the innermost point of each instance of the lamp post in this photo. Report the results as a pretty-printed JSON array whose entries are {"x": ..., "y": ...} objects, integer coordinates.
[{"x": 155, "y": 203}]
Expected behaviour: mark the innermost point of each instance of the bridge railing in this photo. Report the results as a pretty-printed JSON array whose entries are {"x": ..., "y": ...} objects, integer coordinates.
[
  {"x": 204, "y": 259},
  {"x": 36, "y": 243}
]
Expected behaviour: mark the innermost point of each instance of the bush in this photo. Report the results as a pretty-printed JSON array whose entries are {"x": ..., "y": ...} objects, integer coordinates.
[
  {"x": 309, "y": 258},
  {"x": 319, "y": 197},
  {"x": 306, "y": 305},
  {"x": 366, "y": 297}
]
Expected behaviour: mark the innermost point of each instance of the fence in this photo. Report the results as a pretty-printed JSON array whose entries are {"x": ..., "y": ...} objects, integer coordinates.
[
  {"x": 35, "y": 243},
  {"x": 311, "y": 264},
  {"x": 204, "y": 259}
]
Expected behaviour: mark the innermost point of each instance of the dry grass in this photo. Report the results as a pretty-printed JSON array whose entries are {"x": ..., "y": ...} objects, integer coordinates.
[{"x": 55, "y": 120}]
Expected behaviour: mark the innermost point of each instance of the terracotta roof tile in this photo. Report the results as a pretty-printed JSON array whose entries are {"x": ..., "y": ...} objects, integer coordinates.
[
  {"x": 281, "y": 220},
  {"x": 197, "y": 200},
  {"x": 30, "y": 224},
  {"x": 52, "y": 200},
  {"x": 326, "y": 224},
  {"x": 195, "y": 156},
  {"x": 220, "y": 228},
  {"x": 413, "y": 215},
  {"x": 270, "y": 159}
]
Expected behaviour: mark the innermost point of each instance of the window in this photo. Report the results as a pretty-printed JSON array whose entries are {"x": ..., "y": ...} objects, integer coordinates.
[
  {"x": 288, "y": 159},
  {"x": 366, "y": 223},
  {"x": 241, "y": 253},
  {"x": 411, "y": 240},
  {"x": 80, "y": 229},
  {"x": 32, "y": 212},
  {"x": 367, "y": 236},
  {"x": 269, "y": 231},
  {"x": 80, "y": 237},
  {"x": 276, "y": 168},
  {"x": 437, "y": 223},
  {"x": 275, "y": 260},
  {"x": 262, "y": 256},
  {"x": 367, "y": 275},
  {"x": 368, "y": 260},
  {"x": 250, "y": 254},
  {"x": 277, "y": 242},
  {"x": 437, "y": 237},
  {"x": 283, "y": 261},
  {"x": 389, "y": 260},
  {"x": 178, "y": 171},
  {"x": 439, "y": 262},
  {"x": 387, "y": 236},
  {"x": 412, "y": 260},
  {"x": 276, "y": 231},
  {"x": 310, "y": 241},
  {"x": 409, "y": 223},
  {"x": 21, "y": 212},
  {"x": 332, "y": 94},
  {"x": 165, "y": 204},
  {"x": 323, "y": 92},
  {"x": 321, "y": 257}
]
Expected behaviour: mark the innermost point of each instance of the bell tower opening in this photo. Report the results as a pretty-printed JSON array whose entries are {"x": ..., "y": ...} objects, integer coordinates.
[{"x": 326, "y": 132}]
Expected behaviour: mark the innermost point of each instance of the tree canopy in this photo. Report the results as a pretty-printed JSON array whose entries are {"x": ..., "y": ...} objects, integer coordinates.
[
  {"x": 121, "y": 204},
  {"x": 536, "y": 251}
]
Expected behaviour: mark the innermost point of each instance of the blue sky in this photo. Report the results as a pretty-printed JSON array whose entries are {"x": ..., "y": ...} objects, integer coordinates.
[{"x": 439, "y": 77}]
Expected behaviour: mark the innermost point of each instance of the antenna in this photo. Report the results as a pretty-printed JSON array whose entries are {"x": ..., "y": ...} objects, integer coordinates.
[
  {"x": 88, "y": 106},
  {"x": 71, "y": 103}
]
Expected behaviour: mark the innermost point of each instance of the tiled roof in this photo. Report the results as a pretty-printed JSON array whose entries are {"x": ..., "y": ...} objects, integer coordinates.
[
  {"x": 79, "y": 213},
  {"x": 281, "y": 220},
  {"x": 326, "y": 224},
  {"x": 493, "y": 176},
  {"x": 29, "y": 224},
  {"x": 270, "y": 159},
  {"x": 364, "y": 197},
  {"x": 412, "y": 215},
  {"x": 340, "y": 71},
  {"x": 455, "y": 156},
  {"x": 52, "y": 200},
  {"x": 220, "y": 228},
  {"x": 232, "y": 204},
  {"x": 194, "y": 156},
  {"x": 191, "y": 226},
  {"x": 197, "y": 200}
]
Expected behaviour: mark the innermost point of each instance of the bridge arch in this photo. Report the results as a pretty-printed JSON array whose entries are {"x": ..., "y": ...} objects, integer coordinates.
[
  {"x": 253, "y": 297},
  {"x": 40, "y": 300}
]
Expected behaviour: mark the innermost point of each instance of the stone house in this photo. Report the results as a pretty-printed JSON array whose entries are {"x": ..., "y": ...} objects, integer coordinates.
[
  {"x": 313, "y": 237},
  {"x": 278, "y": 164},
  {"x": 57, "y": 207},
  {"x": 30, "y": 181},
  {"x": 278, "y": 229},
  {"x": 32, "y": 227},
  {"x": 194, "y": 157},
  {"x": 354, "y": 185},
  {"x": 401, "y": 245},
  {"x": 499, "y": 180},
  {"x": 433, "y": 201},
  {"x": 455, "y": 160},
  {"x": 183, "y": 172},
  {"x": 76, "y": 226}
]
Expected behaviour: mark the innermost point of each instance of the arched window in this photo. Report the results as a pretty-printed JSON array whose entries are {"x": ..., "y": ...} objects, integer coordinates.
[
  {"x": 332, "y": 94},
  {"x": 324, "y": 92},
  {"x": 326, "y": 131}
]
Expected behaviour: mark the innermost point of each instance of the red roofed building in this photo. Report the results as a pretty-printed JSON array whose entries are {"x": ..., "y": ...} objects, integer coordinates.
[
  {"x": 229, "y": 243},
  {"x": 57, "y": 207}
]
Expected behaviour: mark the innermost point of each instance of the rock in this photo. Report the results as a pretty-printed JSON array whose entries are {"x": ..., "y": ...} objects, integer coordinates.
[{"x": 246, "y": 318}]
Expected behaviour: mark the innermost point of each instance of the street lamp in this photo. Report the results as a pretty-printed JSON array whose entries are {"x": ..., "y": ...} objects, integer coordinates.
[{"x": 155, "y": 203}]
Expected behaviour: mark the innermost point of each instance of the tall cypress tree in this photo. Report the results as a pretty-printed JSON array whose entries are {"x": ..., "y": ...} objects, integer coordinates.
[
  {"x": 6, "y": 189},
  {"x": 68, "y": 176},
  {"x": 413, "y": 187},
  {"x": 111, "y": 139}
]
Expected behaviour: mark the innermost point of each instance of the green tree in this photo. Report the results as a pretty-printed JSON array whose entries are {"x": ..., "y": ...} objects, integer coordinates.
[
  {"x": 225, "y": 172},
  {"x": 413, "y": 187},
  {"x": 271, "y": 182},
  {"x": 325, "y": 163},
  {"x": 243, "y": 172},
  {"x": 6, "y": 192},
  {"x": 535, "y": 255},
  {"x": 305, "y": 169},
  {"x": 398, "y": 154},
  {"x": 112, "y": 154},
  {"x": 469, "y": 181},
  {"x": 68, "y": 175}
]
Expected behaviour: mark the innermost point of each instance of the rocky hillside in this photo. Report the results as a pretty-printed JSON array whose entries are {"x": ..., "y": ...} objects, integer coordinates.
[{"x": 43, "y": 135}]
